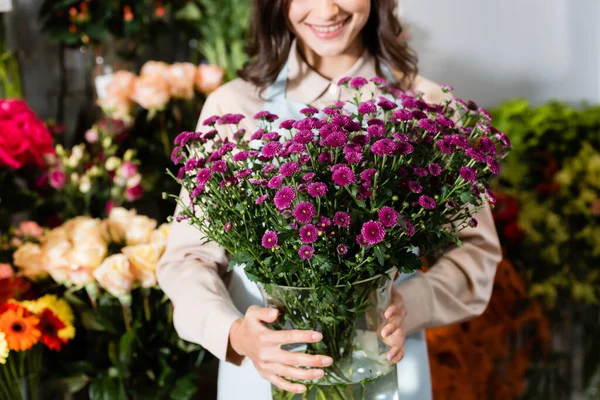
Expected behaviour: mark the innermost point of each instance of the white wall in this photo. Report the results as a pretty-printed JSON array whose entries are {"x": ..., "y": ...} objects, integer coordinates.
[{"x": 492, "y": 50}]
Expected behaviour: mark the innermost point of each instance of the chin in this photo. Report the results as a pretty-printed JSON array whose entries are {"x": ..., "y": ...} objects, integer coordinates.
[{"x": 327, "y": 48}]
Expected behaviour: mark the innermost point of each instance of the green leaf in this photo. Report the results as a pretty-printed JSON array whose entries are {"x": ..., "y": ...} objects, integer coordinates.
[
  {"x": 126, "y": 347},
  {"x": 105, "y": 388},
  {"x": 185, "y": 388},
  {"x": 380, "y": 255},
  {"x": 190, "y": 12},
  {"x": 242, "y": 257}
]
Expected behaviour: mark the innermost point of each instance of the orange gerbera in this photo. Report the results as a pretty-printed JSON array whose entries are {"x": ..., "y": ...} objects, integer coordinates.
[
  {"x": 21, "y": 330},
  {"x": 49, "y": 325}
]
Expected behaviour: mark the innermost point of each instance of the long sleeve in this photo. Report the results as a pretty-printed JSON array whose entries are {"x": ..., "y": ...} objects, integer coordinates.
[
  {"x": 191, "y": 274},
  {"x": 459, "y": 285}
]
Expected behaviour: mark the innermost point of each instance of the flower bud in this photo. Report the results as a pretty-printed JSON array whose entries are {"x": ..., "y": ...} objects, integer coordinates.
[
  {"x": 75, "y": 177},
  {"x": 85, "y": 184},
  {"x": 165, "y": 195},
  {"x": 369, "y": 259},
  {"x": 107, "y": 142},
  {"x": 60, "y": 150},
  {"x": 395, "y": 198},
  {"x": 129, "y": 154},
  {"x": 112, "y": 163},
  {"x": 94, "y": 171}
]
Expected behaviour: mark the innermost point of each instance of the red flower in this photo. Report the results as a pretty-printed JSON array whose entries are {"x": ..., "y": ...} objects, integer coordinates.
[
  {"x": 507, "y": 208},
  {"x": 13, "y": 288},
  {"x": 50, "y": 325},
  {"x": 513, "y": 232}
]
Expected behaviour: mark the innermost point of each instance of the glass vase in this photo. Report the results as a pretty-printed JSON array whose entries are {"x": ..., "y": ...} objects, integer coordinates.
[
  {"x": 25, "y": 388},
  {"x": 350, "y": 317}
]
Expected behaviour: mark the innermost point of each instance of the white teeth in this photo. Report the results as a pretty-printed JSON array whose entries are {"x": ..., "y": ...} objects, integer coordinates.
[{"x": 328, "y": 28}]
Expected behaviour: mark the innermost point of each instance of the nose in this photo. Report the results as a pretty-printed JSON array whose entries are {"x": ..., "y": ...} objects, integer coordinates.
[{"x": 328, "y": 9}]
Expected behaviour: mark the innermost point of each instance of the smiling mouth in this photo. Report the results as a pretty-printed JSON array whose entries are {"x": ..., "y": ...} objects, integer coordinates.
[{"x": 329, "y": 28}]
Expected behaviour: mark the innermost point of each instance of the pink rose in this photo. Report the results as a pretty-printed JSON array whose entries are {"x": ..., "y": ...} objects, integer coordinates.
[
  {"x": 134, "y": 193},
  {"x": 31, "y": 229},
  {"x": 181, "y": 77},
  {"x": 91, "y": 135},
  {"x": 40, "y": 140},
  {"x": 208, "y": 78},
  {"x": 6, "y": 271},
  {"x": 14, "y": 148},
  {"x": 151, "y": 92},
  {"x": 155, "y": 69},
  {"x": 9, "y": 109},
  {"x": 121, "y": 85},
  {"x": 57, "y": 179}
]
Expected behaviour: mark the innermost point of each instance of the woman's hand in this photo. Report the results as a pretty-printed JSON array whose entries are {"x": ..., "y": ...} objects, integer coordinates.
[
  {"x": 392, "y": 332},
  {"x": 250, "y": 337}
]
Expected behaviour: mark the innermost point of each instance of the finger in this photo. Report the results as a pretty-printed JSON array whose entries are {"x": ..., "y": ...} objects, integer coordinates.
[
  {"x": 395, "y": 339},
  {"x": 286, "y": 385},
  {"x": 290, "y": 372},
  {"x": 390, "y": 311},
  {"x": 397, "y": 298},
  {"x": 262, "y": 313},
  {"x": 399, "y": 356},
  {"x": 301, "y": 359},
  {"x": 294, "y": 336},
  {"x": 392, "y": 326}
]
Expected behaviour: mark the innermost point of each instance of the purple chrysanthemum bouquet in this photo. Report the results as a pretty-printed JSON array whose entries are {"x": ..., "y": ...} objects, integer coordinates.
[{"x": 341, "y": 196}]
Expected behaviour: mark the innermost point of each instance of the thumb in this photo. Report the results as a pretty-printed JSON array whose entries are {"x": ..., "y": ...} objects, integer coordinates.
[{"x": 264, "y": 314}]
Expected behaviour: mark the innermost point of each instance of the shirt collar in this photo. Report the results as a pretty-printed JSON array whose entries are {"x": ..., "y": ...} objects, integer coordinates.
[{"x": 305, "y": 85}]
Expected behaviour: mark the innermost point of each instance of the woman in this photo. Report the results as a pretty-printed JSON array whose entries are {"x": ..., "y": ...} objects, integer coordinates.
[{"x": 301, "y": 48}]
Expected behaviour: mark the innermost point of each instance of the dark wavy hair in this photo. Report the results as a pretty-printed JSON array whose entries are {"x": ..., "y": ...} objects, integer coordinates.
[{"x": 270, "y": 38}]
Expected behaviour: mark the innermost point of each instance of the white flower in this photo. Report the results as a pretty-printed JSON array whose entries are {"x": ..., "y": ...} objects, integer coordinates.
[
  {"x": 75, "y": 177},
  {"x": 112, "y": 163},
  {"x": 85, "y": 184}
]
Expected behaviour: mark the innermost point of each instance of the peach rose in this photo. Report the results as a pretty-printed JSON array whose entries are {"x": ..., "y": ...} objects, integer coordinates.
[
  {"x": 159, "y": 238},
  {"x": 116, "y": 107},
  {"x": 114, "y": 275},
  {"x": 83, "y": 259},
  {"x": 150, "y": 92},
  {"x": 143, "y": 259},
  {"x": 85, "y": 229},
  {"x": 55, "y": 252},
  {"x": 181, "y": 77},
  {"x": 126, "y": 226},
  {"x": 31, "y": 261},
  {"x": 208, "y": 78},
  {"x": 155, "y": 69},
  {"x": 6, "y": 271},
  {"x": 120, "y": 85},
  {"x": 30, "y": 229}
]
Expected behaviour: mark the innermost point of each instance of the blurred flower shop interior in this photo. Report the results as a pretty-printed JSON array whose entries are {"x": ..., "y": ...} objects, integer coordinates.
[{"x": 94, "y": 94}]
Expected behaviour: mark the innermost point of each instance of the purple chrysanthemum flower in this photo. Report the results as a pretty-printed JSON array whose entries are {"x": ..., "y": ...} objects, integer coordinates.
[
  {"x": 490, "y": 195},
  {"x": 269, "y": 240},
  {"x": 383, "y": 147},
  {"x": 289, "y": 168},
  {"x": 309, "y": 111},
  {"x": 378, "y": 80},
  {"x": 306, "y": 252},
  {"x": 358, "y": 82},
  {"x": 445, "y": 146},
  {"x": 341, "y": 120},
  {"x": 487, "y": 145},
  {"x": 429, "y": 125},
  {"x": 210, "y": 121},
  {"x": 287, "y": 124},
  {"x": 450, "y": 205},
  {"x": 219, "y": 166},
  {"x": 446, "y": 88},
  {"x": 409, "y": 102},
  {"x": 427, "y": 202},
  {"x": 261, "y": 114},
  {"x": 182, "y": 138},
  {"x": 460, "y": 104},
  {"x": 239, "y": 134},
  {"x": 344, "y": 81},
  {"x": 493, "y": 165},
  {"x": 261, "y": 199},
  {"x": 275, "y": 182},
  {"x": 367, "y": 174},
  {"x": 473, "y": 223},
  {"x": 241, "y": 156},
  {"x": 259, "y": 182},
  {"x": 403, "y": 115},
  {"x": 360, "y": 139},
  {"x": 190, "y": 164},
  {"x": 197, "y": 191},
  {"x": 376, "y": 131},
  {"x": 403, "y": 148},
  {"x": 435, "y": 169},
  {"x": 227, "y": 182},
  {"x": 230, "y": 119},
  {"x": 176, "y": 155},
  {"x": 323, "y": 223},
  {"x": 304, "y": 212},
  {"x": 475, "y": 154},
  {"x": 367, "y": 107},
  {"x": 268, "y": 168},
  {"x": 409, "y": 228},
  {"x": 401, "y": 137},
  {"x": 418, "y": 114},
  {"x": 361, "y": 240},
  {"x": 180, "y": 173},
  {"x": 304, "y": 159},
  {"x": 317, "y": 189},
  {"x": 352, "y": 148},
  {"x": 353, "y": 157},
  {"x": 330, "y": 111},
  {"x": 364, "y": 192},
  {"x": 341, "y": 219},
  {"x": 342, "y": 249},
  {"x": 386, "y": 104},
  {"x": 476, "y": 191},
  {"x": 258, "y": 134},
  {"x": 373, "y": 232},
  {"x": 415, "y": 187},
  {"x": 327, "y": 130},
  {"x": 309, "y": 234},
  {"x": 308, "y": 177},
  {"x": 304, "y": 136},
  {"x": 325, "y": 157},
  {"x": 445, "y": 121},
  {"x": 502, "y": 138},
  {"x": 271, "y": 136},
  {"x": 243, "y": 173},
  {"x": 388, "y": 217},
  {"x": 271, "y": 149},
  {"x": 284, "y": 197},
  {"x": 337, "y": 139},
  {"x": 468, "y": 174},
  {"x": 420, "y": 171},
  {"x": 343, "y": 176}
]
